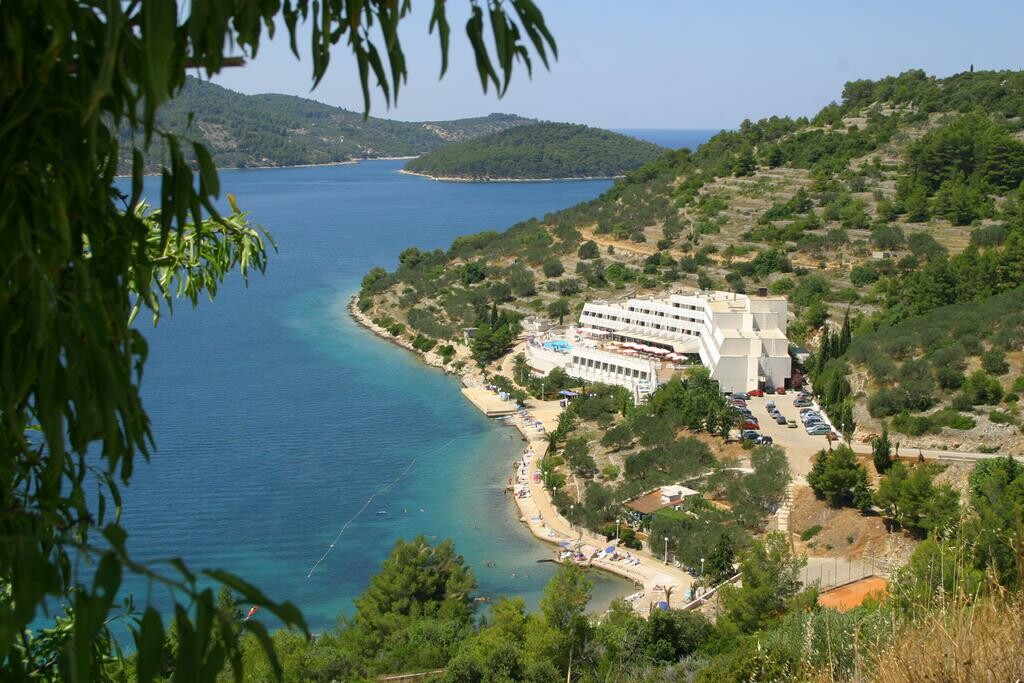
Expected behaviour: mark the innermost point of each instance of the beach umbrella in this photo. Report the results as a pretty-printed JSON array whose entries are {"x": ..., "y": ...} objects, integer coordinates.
[
  {"x": 610, "y": 549},
  {"x": 662, "y": 605},
  {"x": 565, "y": 544}
]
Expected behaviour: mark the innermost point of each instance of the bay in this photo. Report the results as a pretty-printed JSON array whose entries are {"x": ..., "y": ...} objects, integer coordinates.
[{"x": 277, "y": 418}]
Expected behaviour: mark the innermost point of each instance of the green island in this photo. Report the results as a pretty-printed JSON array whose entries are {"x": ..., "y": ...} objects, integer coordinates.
[
  {"x": 256, "y": 131},
  {"x": 539, "y": 151}
]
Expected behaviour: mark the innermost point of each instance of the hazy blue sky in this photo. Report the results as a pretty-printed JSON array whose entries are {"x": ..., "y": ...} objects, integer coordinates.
[{"x": 676, "y": 64}]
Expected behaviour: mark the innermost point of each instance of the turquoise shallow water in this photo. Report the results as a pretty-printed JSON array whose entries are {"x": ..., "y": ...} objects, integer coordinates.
[{"x": 276, "y": 417}]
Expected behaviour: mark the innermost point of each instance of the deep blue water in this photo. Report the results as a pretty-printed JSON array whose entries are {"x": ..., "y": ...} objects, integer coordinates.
[
  {"x": 276, "y": 417},
  {"x": 672, "y": 138}
]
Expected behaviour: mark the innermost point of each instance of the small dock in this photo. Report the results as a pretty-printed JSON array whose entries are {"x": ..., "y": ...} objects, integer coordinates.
[{"x": 488, "y": 402}]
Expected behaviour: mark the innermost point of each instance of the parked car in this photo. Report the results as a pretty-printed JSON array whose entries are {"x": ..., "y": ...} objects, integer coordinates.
[
  {"x": 750, "y": 424},
  {"x": 741, "y": 395},
  {"x": 749, "y": 435},
  {"x": 791, "y": 424},
  {"x": 802, "y": 403},
  {"x": 780, "y": 420},
  {"x": 756, "y": 392},
  {"x": 819, "y": 430},
  {"x": 781, "y": 391},
  {"x": 763, "y": 440}
]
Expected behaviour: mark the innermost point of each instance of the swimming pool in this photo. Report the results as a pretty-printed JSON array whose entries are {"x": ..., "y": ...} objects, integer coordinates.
[{"x": 558, "y": 345}]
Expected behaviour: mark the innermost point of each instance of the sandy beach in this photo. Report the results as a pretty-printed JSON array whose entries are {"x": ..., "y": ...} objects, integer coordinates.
[{"x": 649, "y": 574}]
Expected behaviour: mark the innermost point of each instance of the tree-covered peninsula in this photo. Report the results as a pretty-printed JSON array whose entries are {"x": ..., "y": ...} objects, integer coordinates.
[
  {"x": 538, "y": 151},
  {"x": 283, "y": 130}
]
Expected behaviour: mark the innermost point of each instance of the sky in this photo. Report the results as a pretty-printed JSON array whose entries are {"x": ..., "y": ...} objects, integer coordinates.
[{"x": 671, "y": 63}]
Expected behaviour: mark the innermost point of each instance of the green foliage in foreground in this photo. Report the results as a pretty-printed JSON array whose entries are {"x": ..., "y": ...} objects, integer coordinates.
[
  {"x": 544, "y": 150},
  {"x": 416, "y": 616},
  {"x": 79, "y": 262}
]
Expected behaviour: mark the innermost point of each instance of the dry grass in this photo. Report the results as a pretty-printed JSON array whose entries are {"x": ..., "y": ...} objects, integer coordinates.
[{"x": 984, "y": 642}]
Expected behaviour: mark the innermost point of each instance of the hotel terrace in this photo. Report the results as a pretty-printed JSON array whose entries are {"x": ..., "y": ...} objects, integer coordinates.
[{"x": 641, "y": 343}]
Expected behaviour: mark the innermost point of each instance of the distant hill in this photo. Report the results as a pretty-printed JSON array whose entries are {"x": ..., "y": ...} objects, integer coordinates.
[
  {"x": 542, "y": 150},
  {"x": 283, "y": 130}
]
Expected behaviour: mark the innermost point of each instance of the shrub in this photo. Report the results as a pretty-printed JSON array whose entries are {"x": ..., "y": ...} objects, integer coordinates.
[
  {"x": 783, "y": 285},
  {"x": 994, "y": 361},
  {"x": 588, "y": 250},
  {"x": 837, "y": 477},
  {"x": 982, "y": 388},
  {"x": 916, "y": 425},
  {"x": 423, "y": 343},
  {"x": 810, "y": 533},
  {"x": 1002, "y": 418},
  {"x": 617, "y": 437},
  {"x": 962, "y": 402},
  {"x": 949, "y": 377},
  {"x": 887, "y": 401},
  {"x": 552, "y": 267}
]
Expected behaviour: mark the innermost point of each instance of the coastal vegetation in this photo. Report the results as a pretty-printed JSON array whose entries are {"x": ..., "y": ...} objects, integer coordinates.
[
  {"x": 245, "y": 131},
  {"x": 896, "y": 212},
  {"x": 538, "y": 151},
  {"x": 901, "y": 199}
]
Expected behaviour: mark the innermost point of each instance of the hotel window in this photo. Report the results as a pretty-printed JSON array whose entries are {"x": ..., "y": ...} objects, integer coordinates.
[
  {"x": 636, "y": 373},
  {"x": 643, "y": 375}
]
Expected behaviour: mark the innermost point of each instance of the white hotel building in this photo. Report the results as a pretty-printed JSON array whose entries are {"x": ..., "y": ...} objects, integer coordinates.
[{"x": 741, "y": 339}]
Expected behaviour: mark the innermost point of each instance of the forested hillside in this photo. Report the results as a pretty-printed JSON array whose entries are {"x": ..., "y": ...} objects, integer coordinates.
[
  {"x": 903, "y": 197},
  {"x": 282, "y": 130},
  {"x": 543, "y": 150}
]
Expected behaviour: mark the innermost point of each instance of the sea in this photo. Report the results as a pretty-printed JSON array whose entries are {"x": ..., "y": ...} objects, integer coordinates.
[
  {"x": 672, "y": 138},
  {"x": 295, "y": 448}
]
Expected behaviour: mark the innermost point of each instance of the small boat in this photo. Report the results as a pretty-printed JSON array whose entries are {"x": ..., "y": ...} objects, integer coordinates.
[{"x": 382, "y": 512}]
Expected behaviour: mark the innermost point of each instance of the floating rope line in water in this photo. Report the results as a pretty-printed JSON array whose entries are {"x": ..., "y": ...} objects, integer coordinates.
[{"x": 370, "y": 500}]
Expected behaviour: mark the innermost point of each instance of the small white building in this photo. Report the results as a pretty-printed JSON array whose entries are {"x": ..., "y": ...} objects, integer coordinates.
[{"x": 741, "y": 339}]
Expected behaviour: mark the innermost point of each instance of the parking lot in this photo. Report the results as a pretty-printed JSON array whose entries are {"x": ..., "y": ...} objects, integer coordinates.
[{"x": 800, "y": 446}]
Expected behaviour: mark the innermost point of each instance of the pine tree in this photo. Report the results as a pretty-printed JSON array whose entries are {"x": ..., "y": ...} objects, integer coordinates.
[
  {"x": 845, "y": 335},
  {"x": 881, "y": 452}
]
